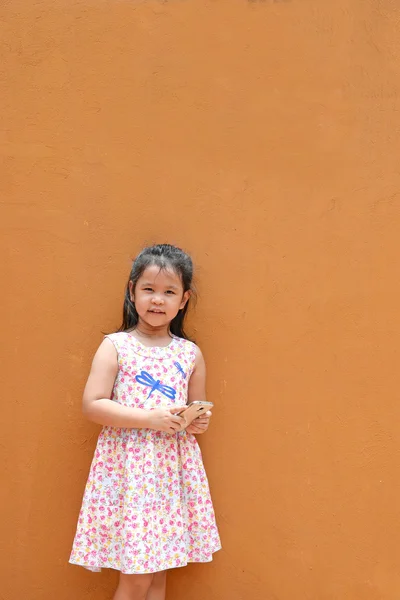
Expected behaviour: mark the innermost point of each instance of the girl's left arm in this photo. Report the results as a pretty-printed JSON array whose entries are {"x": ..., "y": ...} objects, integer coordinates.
[{"x": 197, "y": 391}]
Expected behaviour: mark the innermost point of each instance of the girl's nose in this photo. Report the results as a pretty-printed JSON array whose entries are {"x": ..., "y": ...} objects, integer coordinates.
[{"x": 157, "y": 300}]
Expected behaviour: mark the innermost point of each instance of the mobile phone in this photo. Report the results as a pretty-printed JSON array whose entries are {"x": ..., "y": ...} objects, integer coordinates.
[{"x": 194, "y": 409}]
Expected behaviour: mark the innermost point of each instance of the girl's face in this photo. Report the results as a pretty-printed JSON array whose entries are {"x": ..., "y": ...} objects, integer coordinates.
[{"x": 158, "y": 296}]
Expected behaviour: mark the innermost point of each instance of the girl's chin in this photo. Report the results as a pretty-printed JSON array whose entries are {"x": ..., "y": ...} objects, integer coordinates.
[{"x": 154, "y": 319}]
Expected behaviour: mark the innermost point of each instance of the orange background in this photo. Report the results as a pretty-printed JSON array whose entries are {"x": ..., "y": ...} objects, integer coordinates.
[{"x": 262, "y": 136}]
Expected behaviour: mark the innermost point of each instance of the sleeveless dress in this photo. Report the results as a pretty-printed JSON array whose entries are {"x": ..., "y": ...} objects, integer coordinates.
[{"x": 147, "y": 504}]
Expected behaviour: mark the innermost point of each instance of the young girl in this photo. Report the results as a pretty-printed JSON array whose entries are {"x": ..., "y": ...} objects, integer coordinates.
[{"x": 147, "y": 506}]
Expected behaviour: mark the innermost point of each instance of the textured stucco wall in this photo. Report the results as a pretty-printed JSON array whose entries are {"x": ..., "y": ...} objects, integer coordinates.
[{"x": 264, "y": 138}]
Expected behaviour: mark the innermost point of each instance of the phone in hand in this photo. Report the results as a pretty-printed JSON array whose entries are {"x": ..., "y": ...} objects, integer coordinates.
[{"x": 194, "y": 409}]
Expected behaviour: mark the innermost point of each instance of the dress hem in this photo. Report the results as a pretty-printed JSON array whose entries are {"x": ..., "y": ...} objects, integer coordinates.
[{"x": 100, "y": 567}]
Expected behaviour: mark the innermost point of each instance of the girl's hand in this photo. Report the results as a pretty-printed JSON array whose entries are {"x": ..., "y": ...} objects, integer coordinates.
[
  {"x": 200, "y": 425},
  {"x": 165, "y": 419}
]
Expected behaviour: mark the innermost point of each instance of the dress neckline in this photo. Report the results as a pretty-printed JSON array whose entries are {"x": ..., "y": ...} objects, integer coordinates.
[
  {"x": 160, "y": 352},
  {"x": 145, "y": 345}
]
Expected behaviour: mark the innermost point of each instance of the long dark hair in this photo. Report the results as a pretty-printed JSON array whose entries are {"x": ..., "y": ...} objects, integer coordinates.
[{"x": 164, "y": 256}]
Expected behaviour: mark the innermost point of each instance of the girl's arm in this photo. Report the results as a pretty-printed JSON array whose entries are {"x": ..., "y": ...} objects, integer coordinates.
[
  {"x": 98, "y": 407},
  {"x": 197, "y": 391}
]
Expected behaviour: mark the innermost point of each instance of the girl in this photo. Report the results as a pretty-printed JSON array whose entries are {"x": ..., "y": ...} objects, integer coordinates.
[{"x": 147, "y": 506}]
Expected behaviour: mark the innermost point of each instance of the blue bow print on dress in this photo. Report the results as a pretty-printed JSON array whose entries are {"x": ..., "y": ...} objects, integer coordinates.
[
  {"x": 180, "y": 369},
  {"x": 146, "y": 379}
]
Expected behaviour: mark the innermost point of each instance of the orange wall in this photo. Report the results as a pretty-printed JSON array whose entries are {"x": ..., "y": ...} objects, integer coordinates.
[{"x": 263, "y": 136}]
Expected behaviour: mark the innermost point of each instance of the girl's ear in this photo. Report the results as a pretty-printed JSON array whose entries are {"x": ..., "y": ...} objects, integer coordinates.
[
  {"x": 131, "y": 292},
  {"x": 185, "y": 299}
]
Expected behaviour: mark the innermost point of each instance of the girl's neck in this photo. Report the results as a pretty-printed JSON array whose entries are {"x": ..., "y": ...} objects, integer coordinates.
[{"x": 142, "y": 330}]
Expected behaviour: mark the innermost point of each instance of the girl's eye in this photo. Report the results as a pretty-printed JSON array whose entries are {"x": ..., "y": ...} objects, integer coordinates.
[
  {"x": 170, "y": 292},
  {"x": 148, "y": 289}
]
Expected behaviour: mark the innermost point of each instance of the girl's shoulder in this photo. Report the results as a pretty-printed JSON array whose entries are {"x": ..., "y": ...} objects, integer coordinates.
[
  {"x": 118, "y": 335},
  {"x": 187, "y": 348},
  {"x": 118, "y": 339},
  {"x": 186, "y": 345}
]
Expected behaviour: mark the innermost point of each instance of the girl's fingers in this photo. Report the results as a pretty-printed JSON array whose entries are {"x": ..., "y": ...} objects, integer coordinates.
[
  {"x": 206, "y": 417},
  {"x": 175, "y": 409},
  {"x": 177, "y": 419},
  {"x": 200, "y": 425}
]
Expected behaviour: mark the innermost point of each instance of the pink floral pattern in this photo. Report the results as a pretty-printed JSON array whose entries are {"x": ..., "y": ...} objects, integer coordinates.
[{"x": 147, "y": 504}]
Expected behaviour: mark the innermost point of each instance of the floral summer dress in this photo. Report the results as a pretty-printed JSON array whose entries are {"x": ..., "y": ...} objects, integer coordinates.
[{"x": 147, "y": 504}]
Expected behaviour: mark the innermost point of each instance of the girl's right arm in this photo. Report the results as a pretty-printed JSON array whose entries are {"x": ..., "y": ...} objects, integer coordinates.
[{"x": 99, "y": 408}]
